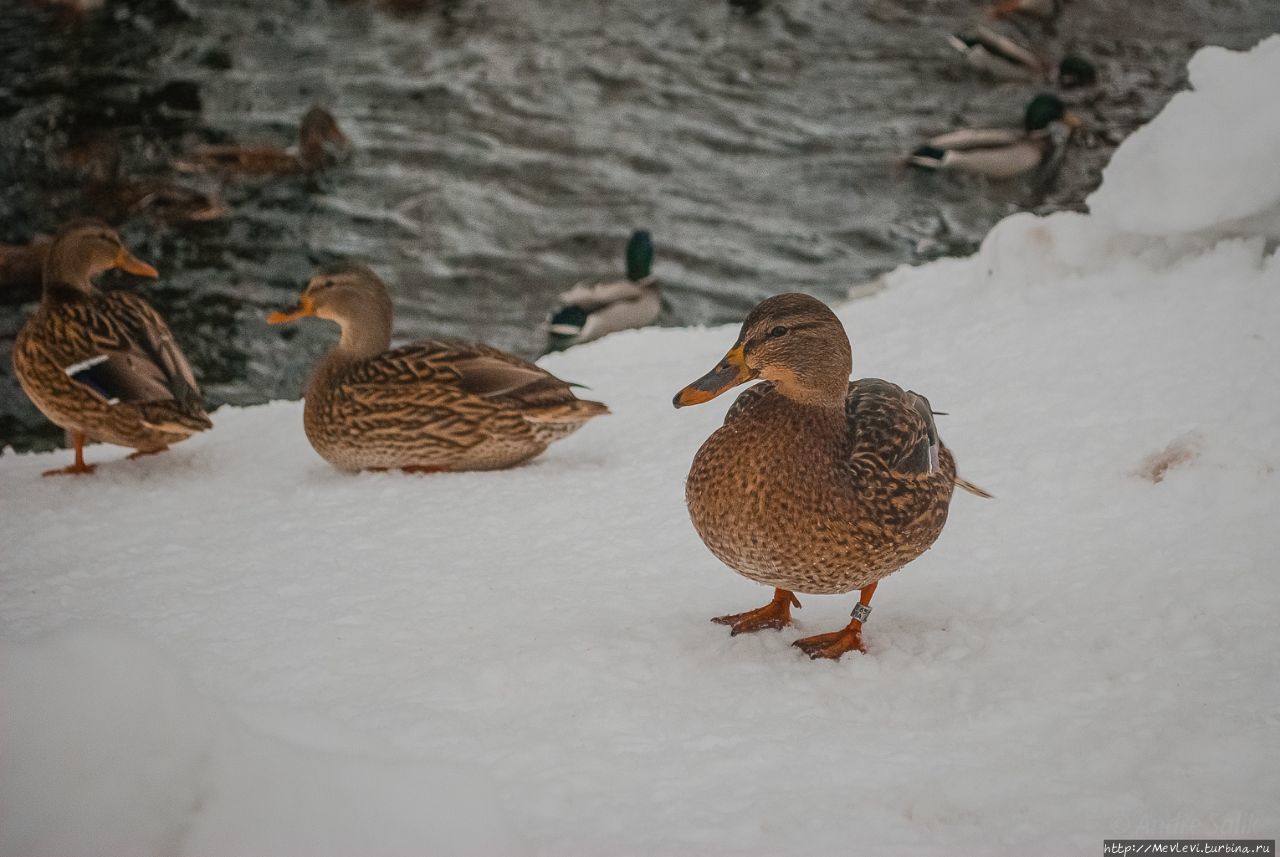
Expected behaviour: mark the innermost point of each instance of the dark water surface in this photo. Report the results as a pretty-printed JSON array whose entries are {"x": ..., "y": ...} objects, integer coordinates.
[{"x": 505, "y": 148}]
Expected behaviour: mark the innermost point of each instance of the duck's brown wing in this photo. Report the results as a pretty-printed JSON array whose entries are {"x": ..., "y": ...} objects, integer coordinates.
[
  {"x": 442, "y": 384},
  {"x": 892, "y": 425}
]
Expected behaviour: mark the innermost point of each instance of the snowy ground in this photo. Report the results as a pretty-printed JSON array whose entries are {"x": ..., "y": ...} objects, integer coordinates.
[{"x": 302, "y": 661}]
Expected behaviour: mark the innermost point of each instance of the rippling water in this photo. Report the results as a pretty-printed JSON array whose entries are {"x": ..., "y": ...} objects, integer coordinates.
[{"x": 505, "y": 148}]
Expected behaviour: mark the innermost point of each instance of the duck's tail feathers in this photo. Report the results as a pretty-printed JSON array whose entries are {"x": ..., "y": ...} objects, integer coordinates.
[
  {"x": 973, "y": 489},
  {"x": 927, "y": 157}
]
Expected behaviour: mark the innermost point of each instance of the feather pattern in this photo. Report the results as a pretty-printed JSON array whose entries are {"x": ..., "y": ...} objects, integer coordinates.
[{"x": 108, "y": 365}]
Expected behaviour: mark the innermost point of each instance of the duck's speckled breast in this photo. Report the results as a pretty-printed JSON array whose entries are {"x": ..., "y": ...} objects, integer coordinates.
[{"x": 774, "y": 496}]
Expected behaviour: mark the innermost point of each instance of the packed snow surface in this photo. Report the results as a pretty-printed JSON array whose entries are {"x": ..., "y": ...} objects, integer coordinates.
[{"x": 234, "y": 648}]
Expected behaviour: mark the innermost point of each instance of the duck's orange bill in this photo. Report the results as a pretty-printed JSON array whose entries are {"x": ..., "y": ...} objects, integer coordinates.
[
  {"x": 729, "y": 373},
  {"x": 304, "y": 309},
  {"x": 1071, "y": 120},
  {"x": 126, "y": 261}
]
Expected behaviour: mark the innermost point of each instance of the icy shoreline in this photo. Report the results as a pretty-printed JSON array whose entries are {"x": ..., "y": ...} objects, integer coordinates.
[{"x": 1092, "y": 654}]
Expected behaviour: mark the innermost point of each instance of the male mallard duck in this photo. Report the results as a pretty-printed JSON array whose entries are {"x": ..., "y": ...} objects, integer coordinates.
[
  {"x": 814, "y": 483},
  {"x": 318, "y": 130},
  {"x": 1001, "y": 153},
  {"x": 104, "y": 366},
  {"x": 1006, "y": 59},
  {"x": 424, "y": 407},
  {"x": 589, "y": 311},
  {"x": 1043, "y": 9}
]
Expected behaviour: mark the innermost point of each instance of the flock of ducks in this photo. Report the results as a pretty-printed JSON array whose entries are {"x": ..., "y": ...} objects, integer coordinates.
[{"x": 814, "y": 484}]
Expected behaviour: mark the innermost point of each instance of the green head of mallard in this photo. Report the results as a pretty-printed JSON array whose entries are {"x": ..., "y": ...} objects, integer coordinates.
[
  {"x": 1045, "y": 109},
  {"x": 1076, "y": 71},
  {"x": 793, "y": 340},
  {"x": 639, "y": 255}
]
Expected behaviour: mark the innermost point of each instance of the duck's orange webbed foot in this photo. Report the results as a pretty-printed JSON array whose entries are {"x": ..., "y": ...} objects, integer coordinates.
[
  {"x": 848, "y": 639},
  {"x": 142, "y": 453},
  {"x": 776, "y": 615},
  {"x": 833, "y": 645},
  {"x": 78, "y": 468}
]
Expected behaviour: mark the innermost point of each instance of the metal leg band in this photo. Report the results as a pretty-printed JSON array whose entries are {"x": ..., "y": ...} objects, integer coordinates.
[{"x": 861, "y": 611}]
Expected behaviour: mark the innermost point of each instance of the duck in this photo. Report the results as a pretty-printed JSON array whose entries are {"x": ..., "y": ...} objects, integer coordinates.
[
  {"x": 117, "y": 199},
  {"x": 591, "y": 310},
  {"x": 438, "y": 405},
  {"x": 1004, "y": 58},
  {"x": 1045, "y": 10},
  {"x": 814, "y": 484},
  {"x": 319, "y": 137},
  {"x": 22, "y": 268},
  {"x": 104, "y": 366},
  {"x": 1002, "y": 153}
]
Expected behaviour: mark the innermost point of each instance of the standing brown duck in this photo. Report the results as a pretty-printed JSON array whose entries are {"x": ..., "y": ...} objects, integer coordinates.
[
  {"x": 104, "y": 366},
  {"x": 316, "y": 134},
  {"x": 430, "y": 406},
  {"x": 814, "y": 484}
]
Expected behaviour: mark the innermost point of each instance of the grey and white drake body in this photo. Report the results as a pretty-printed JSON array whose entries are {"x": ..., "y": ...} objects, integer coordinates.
[
  {"x": 1001, "y": 153},
  {"x": 591, "y": 310},
  {"x": 1005, "y": 58}
]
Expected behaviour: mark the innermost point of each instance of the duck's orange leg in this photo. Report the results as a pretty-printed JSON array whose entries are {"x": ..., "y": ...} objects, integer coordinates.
[
  {"x": 776, "y": 615},
  {"x": 79, "y": 467},
  {"x": 134, "y": 456},
  {"x": 835, "y": 644}
]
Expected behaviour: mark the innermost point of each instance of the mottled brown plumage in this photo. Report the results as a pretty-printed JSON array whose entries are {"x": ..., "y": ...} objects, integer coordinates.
[
  {"x": 318, "y": 130},
  {"x": 814, "y": 484},
  {"x": 104, "y": 366},
  {"x": 437, "y": 405}
]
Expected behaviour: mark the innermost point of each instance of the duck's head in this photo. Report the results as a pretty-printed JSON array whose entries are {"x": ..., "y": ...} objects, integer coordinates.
[
  {"x": 320, "y": 139},
  {"x": 1076, "y": 71},
  {"x": 351, "y": 296},
  {"x": 1046, "y": 109},
  {"x": 793, "y": 340},
  {"x": 82, "y": 249},
  {"x": 639, "y": 255}
]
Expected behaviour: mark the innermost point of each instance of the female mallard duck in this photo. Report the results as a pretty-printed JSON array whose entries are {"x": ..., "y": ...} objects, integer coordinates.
[
  {"x": 1007, "y": 59},
  {"x": 814, "y": 483},
  {"x": 424, "y": 407},
  {"x": 589, "y": 311},
  {"x": 318, "y": 131},
  {"x": 117, "y": 199},
  {"x": 1002, "y": 153},
  {"x": 104, "y": 366}
]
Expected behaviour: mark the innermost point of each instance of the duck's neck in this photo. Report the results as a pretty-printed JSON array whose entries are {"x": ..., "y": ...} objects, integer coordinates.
[
  {"x": 65, "y": 280},
  {"x": 364, "y": 338}
]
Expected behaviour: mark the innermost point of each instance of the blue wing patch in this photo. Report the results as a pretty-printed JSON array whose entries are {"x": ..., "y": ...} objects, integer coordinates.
[{"x": 94, "y": 373}]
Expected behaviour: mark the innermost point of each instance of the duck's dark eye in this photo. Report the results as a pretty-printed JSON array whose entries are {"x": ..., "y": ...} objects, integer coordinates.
[{"x": 777, "y": 331}]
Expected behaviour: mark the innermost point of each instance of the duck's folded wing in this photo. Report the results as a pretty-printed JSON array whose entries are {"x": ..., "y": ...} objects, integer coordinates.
[
  {"x": 1006, "y": 48},
  {"x": 977, "y": 138},
  {"x": 893, "y": 425},
  {"x": 134, "y": 357}
]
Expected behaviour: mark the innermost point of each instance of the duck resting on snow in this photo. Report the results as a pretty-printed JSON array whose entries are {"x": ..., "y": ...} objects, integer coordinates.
[
  {"x": 426, "y": 407},
  {"x": 814, "y": 484},
  {"x": 1002, "y": 153},
  {"x": 590, "y": 311},
  {"x": 1004, "y": 58},
  {"x": 320, "y": 141},
  {"x": 104, "y": 366}
]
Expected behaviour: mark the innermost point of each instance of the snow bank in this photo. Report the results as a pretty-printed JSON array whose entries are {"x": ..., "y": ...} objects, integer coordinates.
[
  {"x": 1208, "y": 161},
  {"x": 106, "y": 749},
  {"x": 1092, "y": 654}
]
